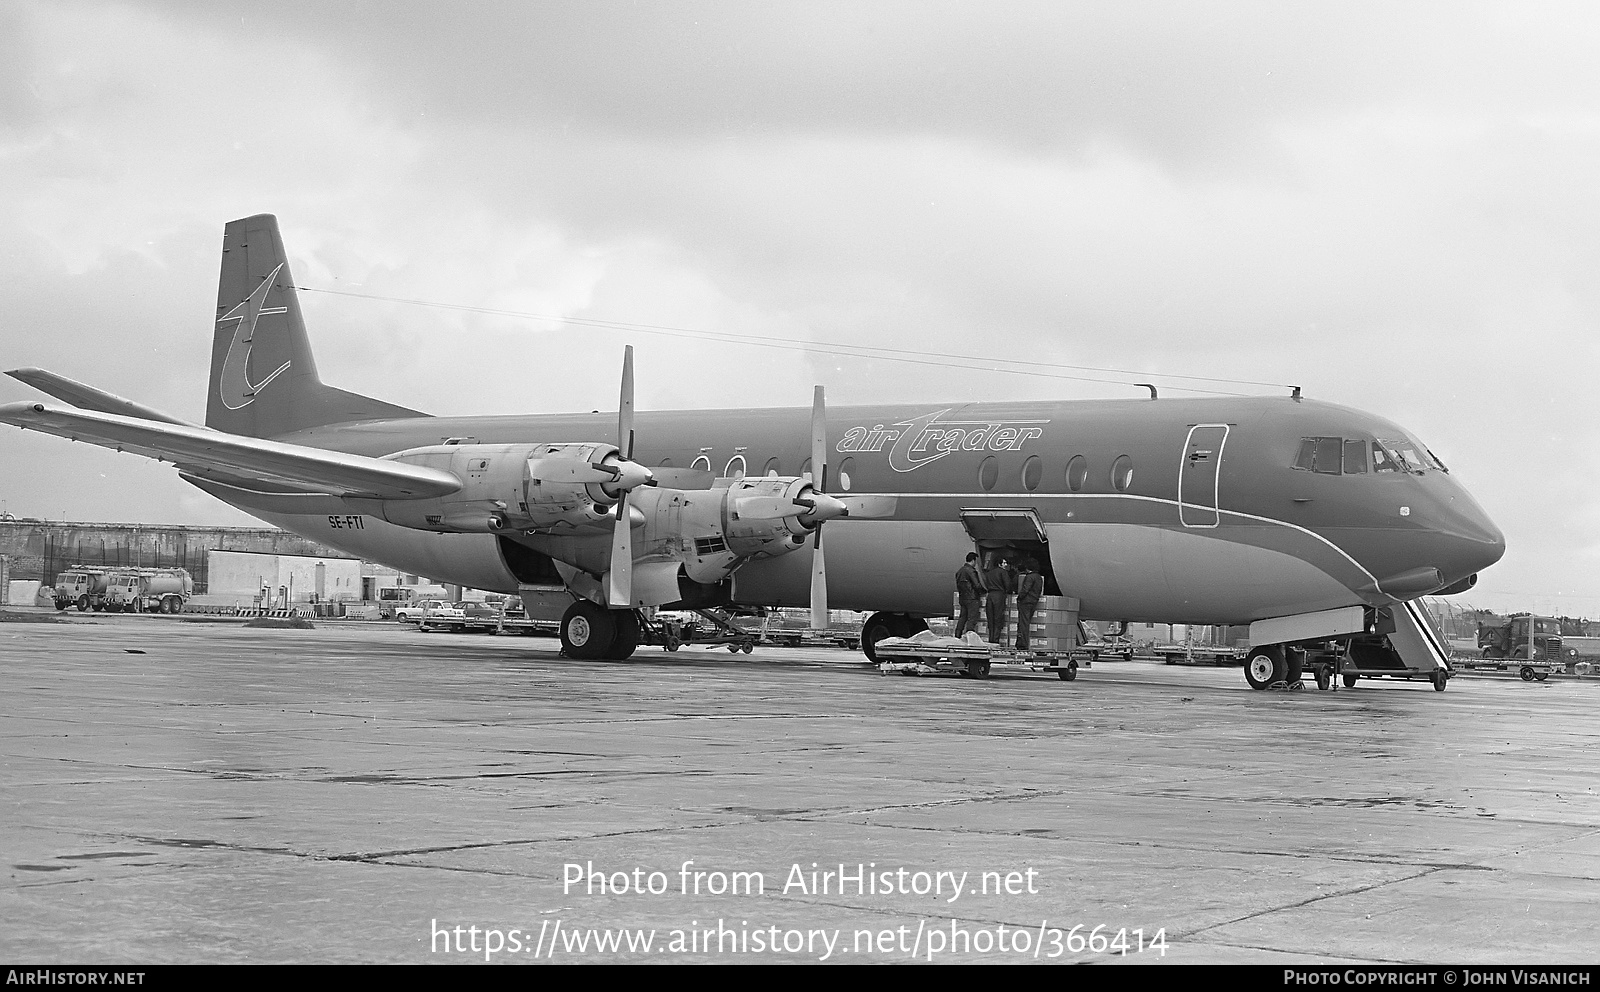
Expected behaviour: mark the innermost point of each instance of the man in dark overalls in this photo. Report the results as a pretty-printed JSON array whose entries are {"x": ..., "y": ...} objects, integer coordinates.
[
  {"x": 970, "y": 590},
  {"x": 997, "y": 582},
  {"x": 1030, "y": 589}
]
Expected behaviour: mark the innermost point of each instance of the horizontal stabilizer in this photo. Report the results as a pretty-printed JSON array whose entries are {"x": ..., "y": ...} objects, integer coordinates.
[
  {"x": 202, "y": 451},
  {"x": 87, "y": 397}
]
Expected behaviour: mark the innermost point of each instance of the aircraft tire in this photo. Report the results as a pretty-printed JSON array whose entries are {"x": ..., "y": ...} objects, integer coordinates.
[
  {"x": 1265, "y": 666},
  {"x": 626, "y": 638},
  {"x": 1527, "y": 673},
  {"x": 877, "y": 627},
  {"x": 587, "y": 630}
]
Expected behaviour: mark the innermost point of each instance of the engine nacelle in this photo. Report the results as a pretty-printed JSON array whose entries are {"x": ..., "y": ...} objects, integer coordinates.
[
  {"x": 561, "y": 487},
  {"x": 717, "y": 531}
]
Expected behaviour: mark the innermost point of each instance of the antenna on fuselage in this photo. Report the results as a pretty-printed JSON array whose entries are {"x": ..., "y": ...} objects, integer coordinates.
[{"x": 1150, "y": 386}]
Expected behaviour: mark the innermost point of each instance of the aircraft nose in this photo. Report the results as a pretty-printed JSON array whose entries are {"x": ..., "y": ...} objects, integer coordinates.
[{"x": 1475, "y": 542}]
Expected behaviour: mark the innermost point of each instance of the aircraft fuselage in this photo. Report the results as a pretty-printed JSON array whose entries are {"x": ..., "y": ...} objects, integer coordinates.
[{"x": 1170, "y": 510}]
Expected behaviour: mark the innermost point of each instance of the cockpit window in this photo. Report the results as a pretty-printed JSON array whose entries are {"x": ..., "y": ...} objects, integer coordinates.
[
  {"x": 1319, "y": 454},
  {"x": 1355, "y": 457},
  {"x": 1402, "y": 456}
]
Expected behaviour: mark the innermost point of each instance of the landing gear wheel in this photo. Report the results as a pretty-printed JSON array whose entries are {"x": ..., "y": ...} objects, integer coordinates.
[
  {"x": 879, "y": 626},
  {"x": 587, "y": 630},
  {"x": 1527, "y": 673},
  {"x": 626, "y": 639},
  {"x": 1440, "y": 679},
  {"x": 1265, "y": 666},
  {"x": 1324, "y": 679},
  {"x": 1294, "y": 660},
  {"x": 1069, "y": 673},
  {"x": 1350, "y": 680},
  {"x": 1541, "y": 676},
  {"x": 977, "y": 669}
]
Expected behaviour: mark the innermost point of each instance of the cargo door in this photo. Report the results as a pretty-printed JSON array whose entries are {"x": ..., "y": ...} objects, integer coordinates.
[
  {"x": 1013, "y": 532},
  {"x": 996, "y": 528},
  {"x": 1198, "y": 475}
]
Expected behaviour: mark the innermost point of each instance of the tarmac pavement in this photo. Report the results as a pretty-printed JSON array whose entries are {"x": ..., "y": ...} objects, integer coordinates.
[{"x": 203, "y": 792}]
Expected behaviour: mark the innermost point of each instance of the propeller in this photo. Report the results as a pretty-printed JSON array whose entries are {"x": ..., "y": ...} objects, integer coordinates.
[
  {"x": 620, "y": 587},
  {"x": 819, "y": 483}
]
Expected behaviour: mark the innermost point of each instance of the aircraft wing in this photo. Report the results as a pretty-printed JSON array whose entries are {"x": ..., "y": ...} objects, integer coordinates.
[
  {"x": 89, "y": 398},
  {"x": 205, "y": 452}
]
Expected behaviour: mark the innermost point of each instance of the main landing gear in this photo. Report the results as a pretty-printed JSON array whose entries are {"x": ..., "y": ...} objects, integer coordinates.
[
  {"x": 881, "y": 625},
  {"x": 590, "y": 631}
]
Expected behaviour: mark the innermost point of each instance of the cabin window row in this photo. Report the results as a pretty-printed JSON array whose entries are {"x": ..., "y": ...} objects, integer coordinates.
[{"x": 1031, "y": 475}]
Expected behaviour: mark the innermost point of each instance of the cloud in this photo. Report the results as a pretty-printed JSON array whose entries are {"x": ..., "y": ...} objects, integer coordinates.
[{"x": 1391, "y": 206}]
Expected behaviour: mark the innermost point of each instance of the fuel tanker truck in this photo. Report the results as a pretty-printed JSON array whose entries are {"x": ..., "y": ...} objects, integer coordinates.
[{"x": 127, "y": 590}]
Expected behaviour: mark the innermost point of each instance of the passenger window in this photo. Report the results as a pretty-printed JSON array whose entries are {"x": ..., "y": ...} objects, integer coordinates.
[
  {"x": 1077, "y": 473},
  {"x": 988, "y": 473},
  {"x": 1355, "y": 458},
  {"x": 1319, "y": 454},
  {"x": 1032, "y": 470},
  {"x": 1122, "y": 473}
]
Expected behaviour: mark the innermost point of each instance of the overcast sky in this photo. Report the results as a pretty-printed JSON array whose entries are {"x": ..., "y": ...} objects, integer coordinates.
[{"x": 1394, "y": 205}]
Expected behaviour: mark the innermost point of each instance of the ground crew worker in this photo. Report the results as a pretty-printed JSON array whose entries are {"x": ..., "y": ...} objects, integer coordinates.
[
  {"x": 970, "y": 590},
  {"x": 1030, "y": 589},
  {"x": 997, "y": 583}
]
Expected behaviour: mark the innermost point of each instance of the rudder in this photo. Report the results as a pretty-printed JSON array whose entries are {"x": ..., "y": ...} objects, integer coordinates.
[{"x": 264, "y": 380}]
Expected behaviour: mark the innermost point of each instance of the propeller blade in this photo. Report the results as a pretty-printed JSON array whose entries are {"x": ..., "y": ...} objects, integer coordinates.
[
  {"x": 819, "y": 586},
  {"x": 569, "y": 470},
  {"x": 619, "y": 591},
  {"x": 870, "y": 507},
  {"x": 819, "y": 443},
  {"x": 819, "y": 484},
  {"x": 625, "y": 405}
]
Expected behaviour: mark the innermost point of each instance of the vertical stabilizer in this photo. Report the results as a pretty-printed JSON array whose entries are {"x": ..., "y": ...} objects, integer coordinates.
[{"x": 264, "y": 380}]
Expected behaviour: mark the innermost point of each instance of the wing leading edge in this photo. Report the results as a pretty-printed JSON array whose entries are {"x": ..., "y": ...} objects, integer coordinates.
[{"x": 204, "y": 452}]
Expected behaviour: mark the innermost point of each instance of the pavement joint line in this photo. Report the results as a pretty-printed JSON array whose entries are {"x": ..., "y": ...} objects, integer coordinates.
[
  {"x": 1158, "y": 845},
  {"x": 1320, "y": 897}
]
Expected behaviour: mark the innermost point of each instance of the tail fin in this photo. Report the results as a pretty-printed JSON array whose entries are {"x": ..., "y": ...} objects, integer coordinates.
[{"x": 264, "y": 379}]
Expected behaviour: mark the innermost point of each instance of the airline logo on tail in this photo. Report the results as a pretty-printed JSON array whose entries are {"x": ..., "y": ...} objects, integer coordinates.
[{"x": 234, "y": 385}]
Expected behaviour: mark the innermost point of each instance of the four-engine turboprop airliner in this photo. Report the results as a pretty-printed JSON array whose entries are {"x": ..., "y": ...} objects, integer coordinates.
[{"x": 1307, "y": 520}]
